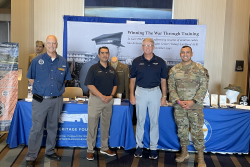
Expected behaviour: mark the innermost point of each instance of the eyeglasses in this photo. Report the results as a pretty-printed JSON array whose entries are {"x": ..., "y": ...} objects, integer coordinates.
[{"x": 147, "y": 45}]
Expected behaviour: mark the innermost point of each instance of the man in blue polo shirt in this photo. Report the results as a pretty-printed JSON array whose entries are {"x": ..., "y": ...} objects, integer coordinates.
[
  {"x": 102, "y": 82},
  {"x": 148, "y": 72},
  {"x": 47, "y": 73}
]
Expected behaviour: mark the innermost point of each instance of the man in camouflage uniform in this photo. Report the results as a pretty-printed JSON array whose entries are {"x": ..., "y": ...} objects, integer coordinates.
[{"x": 188, "y": 83}]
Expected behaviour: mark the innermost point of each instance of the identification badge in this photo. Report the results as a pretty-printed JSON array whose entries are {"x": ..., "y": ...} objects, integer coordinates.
[{"x": 61, "y": 69}]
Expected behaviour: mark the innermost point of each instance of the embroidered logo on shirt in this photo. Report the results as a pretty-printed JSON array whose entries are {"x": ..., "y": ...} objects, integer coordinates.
[
  {"x": 155, "y": 63},
  {"x": 111, "y": 71},
  {"x": 41, "y": 62},
  {"x": 141, "y": 64}
]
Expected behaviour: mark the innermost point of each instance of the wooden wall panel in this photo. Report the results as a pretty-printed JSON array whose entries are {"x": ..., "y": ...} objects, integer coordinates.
[
  {"x": 22, "y": 32},
  {"x": 201, "y": 10},
  {"x": 236, "y": 43},
  {"x": 48, "y": 18},
  {"x": 35, "y": 20},
  {"x": 227, "y": 29}
]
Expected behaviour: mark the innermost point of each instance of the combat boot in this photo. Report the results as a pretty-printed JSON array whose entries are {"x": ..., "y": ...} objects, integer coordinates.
[
  {"x": 201, "y": 162},
  {"x": 184, "y": 155}
]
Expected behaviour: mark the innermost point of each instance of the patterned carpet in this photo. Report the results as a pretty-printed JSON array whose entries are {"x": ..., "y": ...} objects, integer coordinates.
[{"x": 75, "y": 157}]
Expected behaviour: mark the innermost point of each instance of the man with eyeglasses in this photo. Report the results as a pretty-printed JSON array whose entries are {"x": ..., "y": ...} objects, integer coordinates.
[
  {"x": 102, "y": 82},
  {"x": 148, "y": 72}
]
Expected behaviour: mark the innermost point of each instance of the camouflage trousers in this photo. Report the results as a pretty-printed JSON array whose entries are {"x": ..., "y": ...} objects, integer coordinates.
[{"x": 190, "y": 121}]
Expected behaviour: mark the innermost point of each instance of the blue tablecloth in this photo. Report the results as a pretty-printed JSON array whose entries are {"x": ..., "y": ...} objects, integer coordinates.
[
  {"x": 72, "y": 130},
  {"x": 225, "y": 130}
]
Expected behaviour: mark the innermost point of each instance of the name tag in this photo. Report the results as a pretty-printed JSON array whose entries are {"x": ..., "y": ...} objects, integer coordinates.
[
  {"x": 111, "y": 71},
  {"x": 179, "y": 75},
  {"x": 61, "y": 69}
]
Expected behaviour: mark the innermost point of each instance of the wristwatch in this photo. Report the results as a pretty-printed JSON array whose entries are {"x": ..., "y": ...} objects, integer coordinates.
[{"x": 112, "y": 96}]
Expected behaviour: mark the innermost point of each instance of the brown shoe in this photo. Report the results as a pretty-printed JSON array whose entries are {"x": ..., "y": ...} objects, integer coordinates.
[
  {"x": 30, "y": 163},
  {"x": 184, "y": 155},
  {"x": 90, "y": 156},
  {"x": 108, "y": 152},
  {"x": 201, "y": 162}
]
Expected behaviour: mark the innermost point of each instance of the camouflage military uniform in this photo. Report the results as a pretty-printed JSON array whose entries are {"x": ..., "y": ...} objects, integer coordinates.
[{"x": 189, "y": 82}]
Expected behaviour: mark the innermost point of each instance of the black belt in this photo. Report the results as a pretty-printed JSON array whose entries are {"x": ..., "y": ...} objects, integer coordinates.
[
  {"x": 150, "y": 89},
  {"x": 50, "y": 97}
]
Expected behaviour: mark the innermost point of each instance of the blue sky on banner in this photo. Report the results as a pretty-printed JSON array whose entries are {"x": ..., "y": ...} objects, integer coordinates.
[{"x": 149, "y": 9}]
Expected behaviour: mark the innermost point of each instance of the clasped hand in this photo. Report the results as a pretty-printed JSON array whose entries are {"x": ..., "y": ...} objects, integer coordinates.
[
  {"x": 187, "y": 104},
  {"x": 106, "y": 99}
]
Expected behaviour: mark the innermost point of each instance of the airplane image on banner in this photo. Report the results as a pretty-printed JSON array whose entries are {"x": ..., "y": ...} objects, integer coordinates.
[{"x": 76, "y": 118}]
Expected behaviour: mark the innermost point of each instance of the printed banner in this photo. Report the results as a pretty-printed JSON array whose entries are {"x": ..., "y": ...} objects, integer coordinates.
[
  {"x": 8, "y": 83},
  {"x": 73, "y": 126},
  {"x": 73, "y": 129},
  {"x": 124, "y": 42},
  {"x": 225, "y": 131}
]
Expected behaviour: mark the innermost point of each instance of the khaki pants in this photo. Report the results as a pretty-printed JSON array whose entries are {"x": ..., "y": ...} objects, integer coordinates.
[{"x": 97, "y": 109}]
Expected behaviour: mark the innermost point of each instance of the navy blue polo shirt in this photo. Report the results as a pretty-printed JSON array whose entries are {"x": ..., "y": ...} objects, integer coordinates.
[
  {"x": 104, "y": 79},
  {"x": 48, "y": 75},
  {"x": 148, "y": 74}
]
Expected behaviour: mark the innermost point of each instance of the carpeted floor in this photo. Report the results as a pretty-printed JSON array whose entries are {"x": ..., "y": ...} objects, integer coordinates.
[{"x": 75, "y": 157}]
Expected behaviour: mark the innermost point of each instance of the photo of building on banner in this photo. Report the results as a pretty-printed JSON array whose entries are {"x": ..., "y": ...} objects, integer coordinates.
[
  {"x": 125, "y": 41},
  {"x": 9, "y": 53}
]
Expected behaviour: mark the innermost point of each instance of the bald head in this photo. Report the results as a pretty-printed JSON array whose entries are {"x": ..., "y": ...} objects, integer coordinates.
[
  {"x": 114, "y": 59},
  {"x": 51, "y": 37},
  {"x": 51, "y": 45},
  {"x": 114, "y": 62}
]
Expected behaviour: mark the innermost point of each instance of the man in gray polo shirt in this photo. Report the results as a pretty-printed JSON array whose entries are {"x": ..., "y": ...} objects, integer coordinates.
[{"x": 102, "y": 82}]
